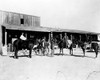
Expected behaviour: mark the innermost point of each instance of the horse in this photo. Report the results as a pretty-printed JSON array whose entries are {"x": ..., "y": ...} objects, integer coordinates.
[
  {"x": 95, "y": 46},
  {"x": 23, "y": 44},
  {"x": 63, "y": 43},
  {"x": 46, "y": 48},
  {"x": 42, "y": 47},
  {"x": 69, "y": 44},
  {"x": 82, "y": 45},
  {"x": 37, "y": 46}
]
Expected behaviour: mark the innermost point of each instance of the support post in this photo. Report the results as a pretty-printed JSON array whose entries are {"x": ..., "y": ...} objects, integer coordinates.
[
  {"x": 26, "y": 35},
  {"x": 66, "y": 39},
  {"x": 71, "y": 37},
  {"x": 60, "y": 35},
  {"x": 49, "y": 41},
  {"x": 52, "y": 44},
  {"x": 0, "y": 39},
  {"x": 80, "y": 37},
  {"x": 5, "y": 38},
  {"x": 49, "y": 37},
  {"x": 4, "y": 48}
]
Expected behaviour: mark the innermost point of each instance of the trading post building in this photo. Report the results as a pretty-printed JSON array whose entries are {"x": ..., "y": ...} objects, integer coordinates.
[{"x": 13, "y": 24}]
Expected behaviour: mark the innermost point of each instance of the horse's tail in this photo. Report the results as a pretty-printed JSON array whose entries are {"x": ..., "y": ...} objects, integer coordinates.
[{"x": 15, "y": 45}]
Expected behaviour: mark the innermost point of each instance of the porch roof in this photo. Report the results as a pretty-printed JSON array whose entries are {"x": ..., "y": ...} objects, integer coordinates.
[{"x": 46, "y": 29}]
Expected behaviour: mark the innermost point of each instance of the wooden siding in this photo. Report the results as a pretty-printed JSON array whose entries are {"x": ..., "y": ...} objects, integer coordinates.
[{"x": 15, "y": 19}]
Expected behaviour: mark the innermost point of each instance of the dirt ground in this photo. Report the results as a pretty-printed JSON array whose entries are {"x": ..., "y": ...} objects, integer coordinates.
[{"x": 55, "y": 67}]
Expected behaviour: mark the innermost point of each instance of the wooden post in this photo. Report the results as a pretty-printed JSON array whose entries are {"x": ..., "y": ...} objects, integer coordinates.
[
  {"x": 90, "y": 37},
  {"x": 0, "y": 39},
  {"x": 80, "y": 37},
  {"x": 52, "y": 44},
  {"x": 26, "y": 35},
  {"x": 5, "y": 38},
  {"x": 71, "y": 37},
  {"x": 4, "y": 47},
  {"x": 49, "y": 37},
  {"x": 66, "y": 39},
  {"x": 86, "y": 37},
  {"x": 60, "y": 35},
  {"x": 49, "y": 40}
]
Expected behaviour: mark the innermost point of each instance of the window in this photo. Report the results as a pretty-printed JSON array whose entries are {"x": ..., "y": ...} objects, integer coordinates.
[{"x": 22, "y": 21}]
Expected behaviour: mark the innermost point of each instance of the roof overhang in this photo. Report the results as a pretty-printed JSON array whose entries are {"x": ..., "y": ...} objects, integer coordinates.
[
  {"x": 45, "y": 29},
  {"x": 27, "y": 28}
]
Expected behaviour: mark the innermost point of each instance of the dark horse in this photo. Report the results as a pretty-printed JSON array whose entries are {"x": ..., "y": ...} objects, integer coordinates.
[
  {"x": 63, "y": 44},
  {"x": 82, "y": 45},
  {"x": 21, "y": 44},
  {"x": 94, "y": 46},
  {"x": 69, "y": 44}
]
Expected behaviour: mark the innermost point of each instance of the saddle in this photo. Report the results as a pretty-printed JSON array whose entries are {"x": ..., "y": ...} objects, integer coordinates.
[{"x": 22, "y": 41}]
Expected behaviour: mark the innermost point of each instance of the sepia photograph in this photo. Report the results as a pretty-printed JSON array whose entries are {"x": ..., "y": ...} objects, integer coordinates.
[{"x": 49, "y": 39}]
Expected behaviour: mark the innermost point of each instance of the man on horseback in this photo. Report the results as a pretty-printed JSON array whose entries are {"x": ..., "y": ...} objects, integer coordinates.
[
  {"x": 22, "y": 37},
  {"x": 23, "y": 44},
  {"x": 23, "y": 40}
]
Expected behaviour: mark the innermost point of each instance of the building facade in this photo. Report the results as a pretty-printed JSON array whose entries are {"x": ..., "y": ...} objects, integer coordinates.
[{"x": 13, "y": 24}]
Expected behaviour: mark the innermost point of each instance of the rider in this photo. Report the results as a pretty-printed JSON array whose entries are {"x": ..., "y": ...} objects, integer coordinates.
[{"x": 22, "y": 37}]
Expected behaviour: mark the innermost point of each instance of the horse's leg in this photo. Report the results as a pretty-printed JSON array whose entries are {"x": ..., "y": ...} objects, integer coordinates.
[
  {"x": 30, "y": 53},
  {"x": 72, "y": 50},
  {"x": 42, "y": 51},
  {"x": 39, "y": 51},
  {"x": 36, "y": 51},
  {"x": 16, "y": 55},
  {"x": 47, "y": 50},
  {"x": 62, "y": 51},
  {"x": 83, "y": 49},
  {"x": 96, "y": 51}
]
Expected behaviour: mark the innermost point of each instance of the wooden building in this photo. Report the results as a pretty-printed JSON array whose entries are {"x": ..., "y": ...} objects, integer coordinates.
[{"x": 13, "y": 24}]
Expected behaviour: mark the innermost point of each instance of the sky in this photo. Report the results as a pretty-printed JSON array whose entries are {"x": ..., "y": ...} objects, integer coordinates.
[{"x": 66, "y": 14}]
